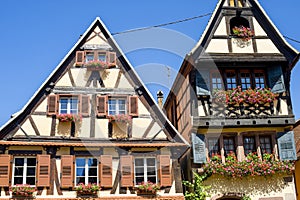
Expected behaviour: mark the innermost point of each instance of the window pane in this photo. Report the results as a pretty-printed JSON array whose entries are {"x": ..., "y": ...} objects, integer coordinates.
[
  {"x": 18, "y": 180},
  {"x": 151, "y": 171},
  {"x": 152, "y": 179},
  {"x": 229, "y": 145},
  {"x": 92, "y": 162},
  {"x": 89, "y": 57},
  {"x": 31, "y": 161},
  {"x": 139, "y": 162},
  {"x": 30, "y": 180},
  {"x": 30, "y": 171},
  {"x": 139, "y": 180},
  {"x": 150, "y": 161},
  {"x": 80, "y": 162},
  {"x": 92, "y": 172},
  {"x": 18, "y": 171},
  {"x": 249, "y": 145},
  {"x": 213, "y": 146},
  {"x": 80, "y": 180},
  {"x": 102, "y": 57},
  {"x": 139, "y": 171},
  {"x": 19, "y": 161},
  {"x": 80, "y": 172},
  {"x": 92, "y": 180}
]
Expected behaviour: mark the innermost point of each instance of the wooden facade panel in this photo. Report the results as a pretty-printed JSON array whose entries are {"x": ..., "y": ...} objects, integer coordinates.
[
  {"x": 85, "y": 105},
  {"x": 52, "y": 108},
  {"x": 133, "y": 105},
  {"x": 79, "y": 58},
  {"x": 102, "y": 106},
  {"x": 127, "y": 179},
  {"x": 105, "y": 171},
  {"x": 67, "y": 171},
  {"x": 164, "y": 170},
  {"x": 43, "y": 171},
  {"x": 5, "y": 168}
]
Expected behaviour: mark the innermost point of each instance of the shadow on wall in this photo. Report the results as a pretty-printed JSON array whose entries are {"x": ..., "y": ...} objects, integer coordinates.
[{"x": 248, "y": 185}]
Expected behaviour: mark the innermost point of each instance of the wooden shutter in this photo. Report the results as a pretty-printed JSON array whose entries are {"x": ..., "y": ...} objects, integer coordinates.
[
  {"x": 67, "y": 171},
  {"x": 275, "y": 79},
  {"x": 133, "y": 105},
  {"x": 52, "y": 105},
  {"x": 85, "y": 105},
  {"x": 202, "y": 82},
  {"x": 112, "y": 58},
  {"x": 126, "y": 171},
  {"x": 79, "y": 58},
  {"x": 164, "y": 170},
  {"x": 43, "y": 171},
  {"x": 5, "y": 167},
  {"x": 105, "y": 171},
  {"x": 101, "y": 105},
  {"x": 286, "y": 146},
  {"x": 199, "y": 152}
]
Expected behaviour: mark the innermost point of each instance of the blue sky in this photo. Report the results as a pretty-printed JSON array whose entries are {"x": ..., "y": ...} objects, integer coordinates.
[{"x": 36, "y": 34}]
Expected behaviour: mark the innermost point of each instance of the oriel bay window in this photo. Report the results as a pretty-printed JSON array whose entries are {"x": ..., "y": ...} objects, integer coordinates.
[
  {"x": 24, "y": 170},
  {"x": 83, "y": 57}
]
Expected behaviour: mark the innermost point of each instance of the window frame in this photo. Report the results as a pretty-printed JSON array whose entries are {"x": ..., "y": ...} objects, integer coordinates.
[
  {"x": 211, "y": 150},
  {"x": 145, "y": 167},
  {"x": 86, "y": 170},
  {"x": 212, "y": 72},
  {"x": 233, "y": 137},
  {"x": 68, "y": 97},
  {"x": 234, "y": 77},
  {"x": 117, "y": 110},
  {"x": 25, "y": 168},
  {"x": 260, "y": 143},
  {"x": 254, "y": 144}
]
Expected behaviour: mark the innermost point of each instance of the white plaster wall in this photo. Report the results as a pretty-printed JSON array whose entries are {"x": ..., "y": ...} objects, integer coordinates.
[
  {"x": 266, "y": 46},
  {"x": 64, "y": 81},
  {"x": 240, "y": 46},
  {"x": 258, "y": 30},
  {"x": 84, "y": 128},
  {"x": 111, "y": 78},
  {"x": 42, "y": 107},
  {"x": 221, "y": 30},
  {"x": 27, "y": 128},
  {"x": 43, "y": 124},
  {"x": 80, "y": 76},
  {"x": 283, "y": 107},
  {"x": 154, "y": 131},
  {"x": 101, "y": 128},
  {"x": 142, "y": 109},
  {"x": 217, "y": 46},
  {"x": 139, "y": 126},
  {"x": 124, "y": 83}
]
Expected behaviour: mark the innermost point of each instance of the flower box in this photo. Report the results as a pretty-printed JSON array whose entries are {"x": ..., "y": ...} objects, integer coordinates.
[
  {"x": 97, "y": 65},
  {"x": 120, "y": 118},
  {"x": 147, "y": 188},
  {"x": 243, "y": 32},
  {"x": 22, "y": 191},
  {"x": 89, "y": 190},
  {"x": 69, "y": 117}
]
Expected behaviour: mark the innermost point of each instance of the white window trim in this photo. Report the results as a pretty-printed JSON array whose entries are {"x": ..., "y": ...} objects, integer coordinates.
[
  {"x": 117, "y": 105},
  {"x": 68, "y": 104},
  {"x": 24, "y": 170},
  {"x": 145, "y": 168},
  {"x": 86, "y": 170}
]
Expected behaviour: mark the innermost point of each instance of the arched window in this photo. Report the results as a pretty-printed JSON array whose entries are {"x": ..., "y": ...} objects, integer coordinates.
[{"x": 237, "y": 22}]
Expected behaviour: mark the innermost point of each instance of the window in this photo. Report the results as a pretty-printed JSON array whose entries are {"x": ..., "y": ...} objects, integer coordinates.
[
  {"x": 249, "y": 144},
  {"x": 116, "y": 106},
  {"x": 245, "y": 80},
  {"x": 102, "y": 56},
  {"x": 259, "y": 77},
  {"x": 237, "y": 22},
  {"x": 229, "y": 145},
  {"x": 86, "y": 170},
  {"x": 24, "y": 170},
  {"x": 89, "y": 56},
  {"x": 231, "y": 80},
  {"x": 68, "y": 105},
  {"x": 213, "y": 146},
  {"x": 216, "y": 80},
  {"x": 145, "y": 170},
  {"x": 265, "y": 144}
]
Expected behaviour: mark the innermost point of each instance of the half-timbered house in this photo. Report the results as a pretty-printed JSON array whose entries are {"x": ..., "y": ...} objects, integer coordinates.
[
  {"x": 231, "y": 100},
  {"x": 91, "y": 121}
]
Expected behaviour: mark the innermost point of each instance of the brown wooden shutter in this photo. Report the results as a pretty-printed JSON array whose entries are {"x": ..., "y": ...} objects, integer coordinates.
[
  {"x": 112, "y": 58},
  {"x": 5, "y": 167},
  {"x": 85, "y": 105},
  {"x": 79, "y": 58},
  {"x": 165, "y": 170},
  {"x": 105, "y": 171},
  {"x": 101, "y": 105},
  {"x": 43, "y": 171},
  {"x": 126, "y": 171},
  {"x": 133, "y": 105},
  {"x": 67, "y": 171},
  {"x": 52, "y": 105}
]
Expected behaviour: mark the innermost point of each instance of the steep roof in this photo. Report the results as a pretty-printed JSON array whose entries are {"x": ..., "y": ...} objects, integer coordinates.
[{"x": 139, "y": 87}]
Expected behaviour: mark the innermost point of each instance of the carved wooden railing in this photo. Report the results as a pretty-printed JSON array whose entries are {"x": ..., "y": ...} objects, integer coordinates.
[{"x": 241, "y": 110}]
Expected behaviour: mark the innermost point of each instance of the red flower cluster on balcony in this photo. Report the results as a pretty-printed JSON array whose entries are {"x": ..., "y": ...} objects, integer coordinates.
[
  {"x": 69, "y": 117},
  {"x": 22, "y": 190},
  {"x": 252, "y": 166},
  {"x": 120, "y": 118},
  {"x": 238, "y": 96},
  {"x": 244, "y": 32}
]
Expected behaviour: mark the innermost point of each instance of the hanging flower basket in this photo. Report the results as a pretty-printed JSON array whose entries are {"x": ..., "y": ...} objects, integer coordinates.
[
  {"x": 22, "y": 191},
  {"x": 120, "y": 118},
  {"x": 243, "y": 32},
  {"x": 69, "y": 117}
]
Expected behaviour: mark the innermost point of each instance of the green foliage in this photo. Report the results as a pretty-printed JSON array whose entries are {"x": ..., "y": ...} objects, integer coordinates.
[
  {"x": 246, "y": 197},
  {"x": 196, "y": 189}
]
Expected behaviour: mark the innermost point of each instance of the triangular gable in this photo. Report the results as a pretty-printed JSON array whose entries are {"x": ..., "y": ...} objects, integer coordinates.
[
  {"x": 97, "y": 32},
  {"x": 218, "y": 38}
]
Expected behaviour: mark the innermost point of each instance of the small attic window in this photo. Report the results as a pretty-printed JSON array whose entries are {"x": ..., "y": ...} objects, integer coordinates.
[
  {"x": 237, "y": 3},
  {"x": 238, "y": 22}
]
